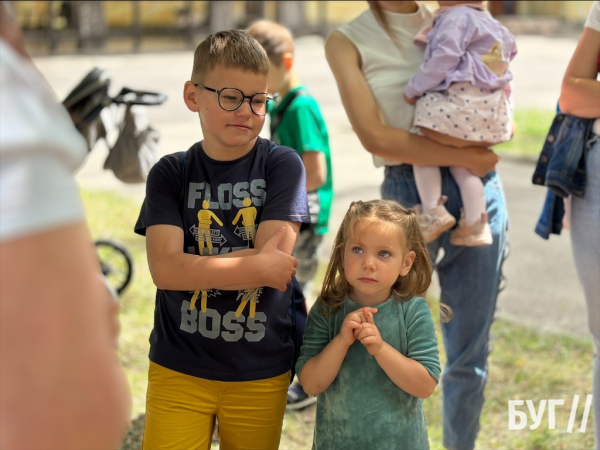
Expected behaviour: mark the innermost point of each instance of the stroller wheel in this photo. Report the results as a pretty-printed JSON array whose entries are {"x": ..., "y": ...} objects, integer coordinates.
[{"x": 116, "y": 263}]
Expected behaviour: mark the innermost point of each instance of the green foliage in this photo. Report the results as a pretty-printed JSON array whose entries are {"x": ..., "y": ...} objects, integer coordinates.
[
  {"x": 111, "y": 216},
  {"x": 531, "y": 128}
]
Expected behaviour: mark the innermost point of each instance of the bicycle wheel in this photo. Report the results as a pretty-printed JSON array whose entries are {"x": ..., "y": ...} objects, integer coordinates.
[{"x": 116, "y": 263}]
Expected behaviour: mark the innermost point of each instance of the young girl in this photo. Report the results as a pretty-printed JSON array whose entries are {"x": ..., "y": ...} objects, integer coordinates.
[
  {"x": 370, "y": 350},
  {"x": 461, "y": 95}
]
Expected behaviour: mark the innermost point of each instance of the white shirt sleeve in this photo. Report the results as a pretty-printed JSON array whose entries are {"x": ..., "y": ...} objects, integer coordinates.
[
  {"x": 39, "y": 151},
  {"x": 593, "y": 20}
]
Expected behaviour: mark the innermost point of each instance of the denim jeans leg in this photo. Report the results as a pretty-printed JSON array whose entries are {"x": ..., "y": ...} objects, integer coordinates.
[
  {"x": 585, "y": 240},
  {"x": 305, "y": 251},
  {"x": 469, "y": 281}
]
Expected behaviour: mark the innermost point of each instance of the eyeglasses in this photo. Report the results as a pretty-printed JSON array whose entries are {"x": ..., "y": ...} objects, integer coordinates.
[{"x": 231, "y": 99}]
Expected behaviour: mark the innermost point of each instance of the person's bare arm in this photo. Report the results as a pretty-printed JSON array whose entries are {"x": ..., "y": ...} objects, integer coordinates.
[
  {"x": 409, "y": 375},
  {"x": 316, "y": 169},
  {"x": 269, "y": 264},
  {"x": 60, "y": 381},
  {"x": 580, "y": 94},
  {"x": 319, "y": 371},
  {"x": 387, "y": 142},
  {"x": 268, "y": 228}
]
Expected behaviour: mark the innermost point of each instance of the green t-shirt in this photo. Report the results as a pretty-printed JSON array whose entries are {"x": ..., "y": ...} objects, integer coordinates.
[
  {"x": 302, "y": 128},
  {"x": 363, "y": 408}
]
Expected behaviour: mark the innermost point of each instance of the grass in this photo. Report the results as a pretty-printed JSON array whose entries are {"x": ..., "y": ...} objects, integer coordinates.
[
  {"x": 524, "y": 364},
  {"x": 531, "y": 128}
]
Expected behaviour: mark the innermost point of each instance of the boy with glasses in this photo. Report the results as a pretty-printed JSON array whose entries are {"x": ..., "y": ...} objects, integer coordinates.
[
  {"x": 220, "y": 222},
  {"x": 296, "y": 122}
]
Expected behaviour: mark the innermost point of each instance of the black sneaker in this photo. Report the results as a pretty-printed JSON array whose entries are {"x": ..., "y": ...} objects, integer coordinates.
[{"x": 298, "y": 399}]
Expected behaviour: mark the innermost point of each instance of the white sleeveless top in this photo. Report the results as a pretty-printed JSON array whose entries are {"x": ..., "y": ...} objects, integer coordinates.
[
  {"x": 39, "y": 151},
  {"x": 388, "y": 67}
]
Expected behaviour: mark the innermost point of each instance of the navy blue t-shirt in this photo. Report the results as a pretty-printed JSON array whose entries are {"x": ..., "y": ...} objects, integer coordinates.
[{"x": 219, "y": 205}]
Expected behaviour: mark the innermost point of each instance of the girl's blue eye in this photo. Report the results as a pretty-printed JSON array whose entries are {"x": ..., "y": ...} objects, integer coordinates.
[
  {"x": 384, "y": 254},
  {"x": 357, "y": 250}
]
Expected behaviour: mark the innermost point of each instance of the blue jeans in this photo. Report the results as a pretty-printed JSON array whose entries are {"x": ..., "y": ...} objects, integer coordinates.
[
  {"x": 585, "y": 239},
  {"x": 469, "y": 280}
]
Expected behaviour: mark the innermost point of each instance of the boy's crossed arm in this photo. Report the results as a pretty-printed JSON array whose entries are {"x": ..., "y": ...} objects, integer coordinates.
[{"x": 268, "y": 264}]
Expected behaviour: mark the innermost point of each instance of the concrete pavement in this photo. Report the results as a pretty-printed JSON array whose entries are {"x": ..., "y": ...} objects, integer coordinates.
[{"x": 542, "y": 287}]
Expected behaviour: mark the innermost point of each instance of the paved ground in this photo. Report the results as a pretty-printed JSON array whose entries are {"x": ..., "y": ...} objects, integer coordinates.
[{"x": 542, "y": 288}]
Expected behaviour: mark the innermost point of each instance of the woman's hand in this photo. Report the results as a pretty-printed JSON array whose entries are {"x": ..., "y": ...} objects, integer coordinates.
[
  {"x": 410, "y": 101},
  {"x": 483, "y": 160}
]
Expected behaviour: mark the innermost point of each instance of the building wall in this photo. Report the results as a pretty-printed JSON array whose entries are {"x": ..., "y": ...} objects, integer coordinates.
[
  {"x": 571, "y": 11},
  {"x": 33, "y": 14}
]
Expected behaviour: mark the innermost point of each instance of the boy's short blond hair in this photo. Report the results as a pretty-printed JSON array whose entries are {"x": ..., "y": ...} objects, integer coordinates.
[
  {"x": 274, "y": 38},
  {"x": 232, "y": 48}
]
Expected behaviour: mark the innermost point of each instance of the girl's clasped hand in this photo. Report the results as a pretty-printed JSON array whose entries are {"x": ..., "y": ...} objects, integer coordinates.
[{"x": 359, "y": 325}]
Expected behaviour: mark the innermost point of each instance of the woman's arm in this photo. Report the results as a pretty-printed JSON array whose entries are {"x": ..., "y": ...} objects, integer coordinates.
[
  {"x": 580, "y": 94},
  {"x": 387, "y": 142},
  {"x": 61, "y": 385}
]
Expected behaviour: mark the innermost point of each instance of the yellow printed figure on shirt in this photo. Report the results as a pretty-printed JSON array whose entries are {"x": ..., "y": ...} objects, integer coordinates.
[
  {"x": 248, "y": 216},
  {"x": 248, "y": 232},
  {"x": 205, "y": 217},
  {"x": 245, "y": 296},
  {"x": 202, "y": 302},
  {"x": 205, "y": 295}
]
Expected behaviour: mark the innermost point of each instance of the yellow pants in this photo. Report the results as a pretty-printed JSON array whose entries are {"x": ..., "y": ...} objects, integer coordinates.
[{"x": 181, "y": 411}]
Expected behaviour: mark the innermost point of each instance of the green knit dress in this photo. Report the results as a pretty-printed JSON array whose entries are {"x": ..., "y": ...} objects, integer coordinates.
[{"x": 363, "y": 409}]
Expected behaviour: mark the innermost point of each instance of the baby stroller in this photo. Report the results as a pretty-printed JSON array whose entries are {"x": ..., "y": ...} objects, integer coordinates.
[{"x": 130, "y": 158}]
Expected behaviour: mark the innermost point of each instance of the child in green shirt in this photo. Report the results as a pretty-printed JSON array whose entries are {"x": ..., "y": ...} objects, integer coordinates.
[
  {"x": 370, "y": 350},
  {"x": 296, "y": 122}
]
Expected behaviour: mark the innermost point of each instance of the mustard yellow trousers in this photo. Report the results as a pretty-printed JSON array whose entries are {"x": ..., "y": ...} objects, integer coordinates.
[{"x": 181, "y": 412}]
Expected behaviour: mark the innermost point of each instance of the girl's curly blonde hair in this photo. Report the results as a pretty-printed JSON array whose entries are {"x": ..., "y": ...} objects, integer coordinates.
[{"x": 418, "y": 279}]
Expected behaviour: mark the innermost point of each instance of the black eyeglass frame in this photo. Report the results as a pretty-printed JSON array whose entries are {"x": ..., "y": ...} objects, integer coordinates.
[{"x": 244, "y": 97}]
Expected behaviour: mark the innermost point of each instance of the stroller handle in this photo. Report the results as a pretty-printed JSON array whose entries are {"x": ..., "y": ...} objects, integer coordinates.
[{"x": 135, "y": 97}]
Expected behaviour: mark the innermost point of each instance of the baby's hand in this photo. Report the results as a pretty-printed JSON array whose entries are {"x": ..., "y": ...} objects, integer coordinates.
[
  {"x": 410, "y": 101},
  {"x": 369, "y": 335}
]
